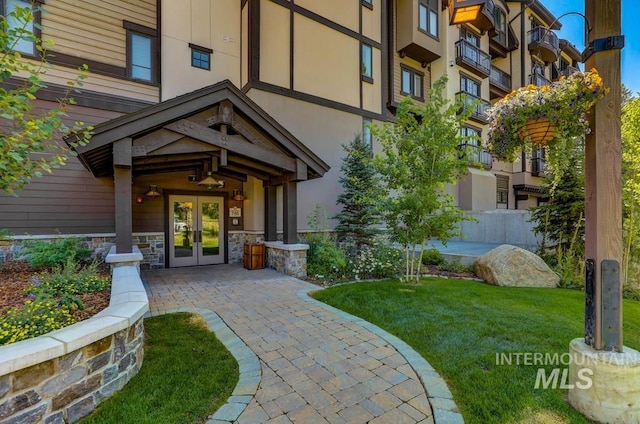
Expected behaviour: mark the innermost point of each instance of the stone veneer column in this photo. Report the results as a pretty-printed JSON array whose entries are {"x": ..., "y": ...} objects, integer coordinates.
[
  {"x": 290, "y": 259},
  {"x": 124, "y": 259}
]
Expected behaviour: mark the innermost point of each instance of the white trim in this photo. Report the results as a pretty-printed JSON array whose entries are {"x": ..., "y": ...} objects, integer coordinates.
[{"x": 289, "y": 247}]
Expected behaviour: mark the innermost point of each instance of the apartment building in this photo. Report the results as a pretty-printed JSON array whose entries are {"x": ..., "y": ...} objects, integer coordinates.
[{"x": 221, "y": 121}]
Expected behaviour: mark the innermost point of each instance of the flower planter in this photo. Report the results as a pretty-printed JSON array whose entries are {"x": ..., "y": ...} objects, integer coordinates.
[{"x": 540, "y": 131}]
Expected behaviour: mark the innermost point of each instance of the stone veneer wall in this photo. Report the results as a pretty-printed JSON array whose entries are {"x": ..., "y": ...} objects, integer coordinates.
[
  {"x": 290, "y": 259},
  {"x": 151, "y": 246},
  {"x": 237, "y": 239},
  {"x": 61, "y": 376}
]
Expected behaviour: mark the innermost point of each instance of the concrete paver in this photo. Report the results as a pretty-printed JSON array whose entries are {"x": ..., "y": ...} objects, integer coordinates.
[{"x": 306, "y": 362}]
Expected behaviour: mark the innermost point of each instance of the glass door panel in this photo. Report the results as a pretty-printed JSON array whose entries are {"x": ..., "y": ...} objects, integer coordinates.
[{"x": 211, "y": 248}]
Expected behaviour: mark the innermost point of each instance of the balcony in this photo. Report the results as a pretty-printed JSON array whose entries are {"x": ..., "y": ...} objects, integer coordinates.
[
  {"x": 499, "y": 83},
  {"x": 538, "y": 166},
  {"x": 473, "y": 59},
  {"x": 466, "y": 10},
  {"x": 477, "y": 155},
  {"x": 544, "y": 43},
  {"x": 410, "y": 40},
  {"x": 479, "y": 113},
  {"x": 539, "y": 80},
  {"x": 569, "y": 70}
]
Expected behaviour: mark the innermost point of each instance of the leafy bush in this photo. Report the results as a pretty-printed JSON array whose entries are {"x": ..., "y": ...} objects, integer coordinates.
[
  {"x": 432, "y": 257},
  {"x": 377, "y": 261},
  {"x": 324, "y": 259},
  {"x": 57, "y": 252},
  {"x": 69, "y": 280},
  {"x": 455, "y": 266},
  {"x": 35, "y": 318}
]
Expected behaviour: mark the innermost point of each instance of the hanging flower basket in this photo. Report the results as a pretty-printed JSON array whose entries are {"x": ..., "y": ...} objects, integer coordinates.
[
  {"x": 550, "y": 116},
  {"x": 540, "y": 131}
]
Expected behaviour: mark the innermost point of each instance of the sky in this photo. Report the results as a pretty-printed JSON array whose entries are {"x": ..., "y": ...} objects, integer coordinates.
[{"x": 573, "y": 30}]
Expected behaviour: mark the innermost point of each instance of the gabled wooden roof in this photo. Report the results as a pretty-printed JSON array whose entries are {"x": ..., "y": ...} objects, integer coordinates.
[{"x": 218, "y": 123}]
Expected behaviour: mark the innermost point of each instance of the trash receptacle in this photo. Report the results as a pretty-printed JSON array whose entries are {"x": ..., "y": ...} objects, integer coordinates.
[{"x": 254, "y": 256}]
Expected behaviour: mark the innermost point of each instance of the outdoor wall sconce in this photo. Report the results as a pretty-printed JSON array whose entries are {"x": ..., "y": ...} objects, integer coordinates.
[
  {"x": 153, "y": 192},
  {"x": 237, "y": 195}
]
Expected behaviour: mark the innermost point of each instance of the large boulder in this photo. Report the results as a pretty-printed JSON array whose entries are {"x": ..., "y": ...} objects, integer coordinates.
[{"x": 512, "y": 266}]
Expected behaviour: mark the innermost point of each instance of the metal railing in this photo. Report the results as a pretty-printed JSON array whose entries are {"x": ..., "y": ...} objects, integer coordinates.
[
  {"x": 500, "y": 78},
  {"x": 474, "y": 56},
  {"x": 568, "y": 71},
  {"x": 477, "y": 155},
  {"x": 480, "y": 106},
  {"x": 539, "y": 80},
  {"x": 544, "y": 35}
]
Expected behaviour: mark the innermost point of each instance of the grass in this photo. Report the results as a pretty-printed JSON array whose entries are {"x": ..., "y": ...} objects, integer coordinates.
[
  {"x": 187, "y": 374},
  {"x": 460, "y": 326}
]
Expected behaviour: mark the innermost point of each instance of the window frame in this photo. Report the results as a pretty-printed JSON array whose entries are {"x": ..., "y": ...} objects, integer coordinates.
[
  {"x": 36, "y": 24},
  {"x": 203, "y": 51},
  {"x": 413, "y": 74},
  {"x": 430, "y": 8},
  {"x": 367, "y": 3},
  {"x": 477, "y": 82},
  {"x": 132, "y": 30},
  {"x": 366, "y": 76},
  {"x": 501, "y": 192}
]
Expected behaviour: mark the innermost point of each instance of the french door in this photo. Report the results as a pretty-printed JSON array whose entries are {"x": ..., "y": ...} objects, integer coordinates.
[{"x": 196, "y": 229}]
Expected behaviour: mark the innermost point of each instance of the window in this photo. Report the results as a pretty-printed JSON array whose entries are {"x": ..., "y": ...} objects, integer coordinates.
[
  {"x": 500, "y": 21},
  {"x": 469, "y": 85},
  {"x": 366, "y": 134},
  {"x": 200, "y": 57},
  {"x": 412, "y": 83},
  {"x": 141, "y": 52},
  {"x": 367, "y": 62},
  {"x": 428, "y": 17},
  {"x": 23, "y": 45},
  {"x": 471, "y": 135},
  {"x": 502, "y": 190}
]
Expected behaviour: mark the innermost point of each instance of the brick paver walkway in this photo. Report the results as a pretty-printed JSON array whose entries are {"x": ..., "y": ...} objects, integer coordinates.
[{"x": 316, "y": 365}]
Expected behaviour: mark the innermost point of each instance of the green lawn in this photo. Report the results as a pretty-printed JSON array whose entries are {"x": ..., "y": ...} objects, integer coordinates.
[
  {"x": 459, "y": 326},
  {"x": 187, "y": 374}
]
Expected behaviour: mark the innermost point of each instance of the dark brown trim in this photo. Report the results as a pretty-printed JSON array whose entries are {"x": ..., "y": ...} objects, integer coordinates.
[
  {"x": 139, "y": 28},
  {"x": 368, "y": 4},
  {"x": 243, "y": 3},
  {"x": 85, "y": 98},
  {"x": 95, "y": 67},
  {"x": 254, "y": 40},
  {"x": 405, "y": 67},
  {"x": 271, "y": 88},
  {"x": 384, "y": 55},
  {"x": 291, "y": 48},
  {"x": 370, "y": 80},
  {"x": 159, "y": 47},
  {"x": 200, "y": 48},
  {"x": 322, "y": 20}
]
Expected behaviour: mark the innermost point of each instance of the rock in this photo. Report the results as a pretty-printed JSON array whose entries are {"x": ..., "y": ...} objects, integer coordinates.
[{"x": 511, "y": 266}]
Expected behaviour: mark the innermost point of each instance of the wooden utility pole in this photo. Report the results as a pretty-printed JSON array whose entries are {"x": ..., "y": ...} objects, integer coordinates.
[{"x": 603, "y": 185}]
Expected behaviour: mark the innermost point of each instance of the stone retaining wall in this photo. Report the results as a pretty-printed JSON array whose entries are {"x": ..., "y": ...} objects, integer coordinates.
[
  {"x": 290, "y": 259},
  {"x": 61, "y": 376}
]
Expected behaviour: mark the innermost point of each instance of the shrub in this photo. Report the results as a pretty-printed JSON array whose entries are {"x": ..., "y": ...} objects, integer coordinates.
[
  {"x": 324, "y": 259},
  {"x": 455, "y": 266},
  {"x": 69, "y": 280},
  {"x": 57, "y": 252},
  {"x": 432, "y": 257},
  {"x": 376, "y": 261},
  {"x": 35, "y": 318}
]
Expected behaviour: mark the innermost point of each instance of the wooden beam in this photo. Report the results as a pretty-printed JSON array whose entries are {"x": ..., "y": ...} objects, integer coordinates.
[
  {"x": 603, "y": 175},
  {"x": 270, "y": 214},
  {"x": 248, "y": 163},
  {"x": 122, "y": 194},
  {"x": 122, "y": 152},
  {"x": 301, "y": 170},
  {"x": 155, "y": 140},
  {"x": 234, "y": 144},
  {"x": 223, "y": 157},
  {"x": 247, "y": 171},
  {"x": 290, "y": 212}
]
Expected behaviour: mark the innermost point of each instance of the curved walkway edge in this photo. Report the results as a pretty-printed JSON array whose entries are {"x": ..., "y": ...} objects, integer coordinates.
[
  {"x": 445, "y": 410},
  {"x": 248, "y": 364}
]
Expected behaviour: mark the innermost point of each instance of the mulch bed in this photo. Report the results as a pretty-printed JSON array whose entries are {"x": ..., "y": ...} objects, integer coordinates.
[{"x": 14, "y": 282}]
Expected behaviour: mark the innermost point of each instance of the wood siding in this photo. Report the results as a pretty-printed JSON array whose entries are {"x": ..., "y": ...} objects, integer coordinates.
[{"x": 69, "y": 201}]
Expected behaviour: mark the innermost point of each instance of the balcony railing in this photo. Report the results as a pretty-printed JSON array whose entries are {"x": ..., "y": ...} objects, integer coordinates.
[
  {"x": 569, "y": 70},
  {"x": 472, "y": 58},
  {"x": 544, "y": 43},
  {"x": 538, "y": 167},
  {"x": 500, "y": 78},
  {"x": 480, "y": 106},
  {"x": 477, "y": 155},
  {"x": 539, "y": 80}
]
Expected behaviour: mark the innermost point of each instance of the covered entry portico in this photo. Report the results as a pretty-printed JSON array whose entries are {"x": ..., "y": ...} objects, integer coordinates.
[{"x": 173, "y": 145}]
